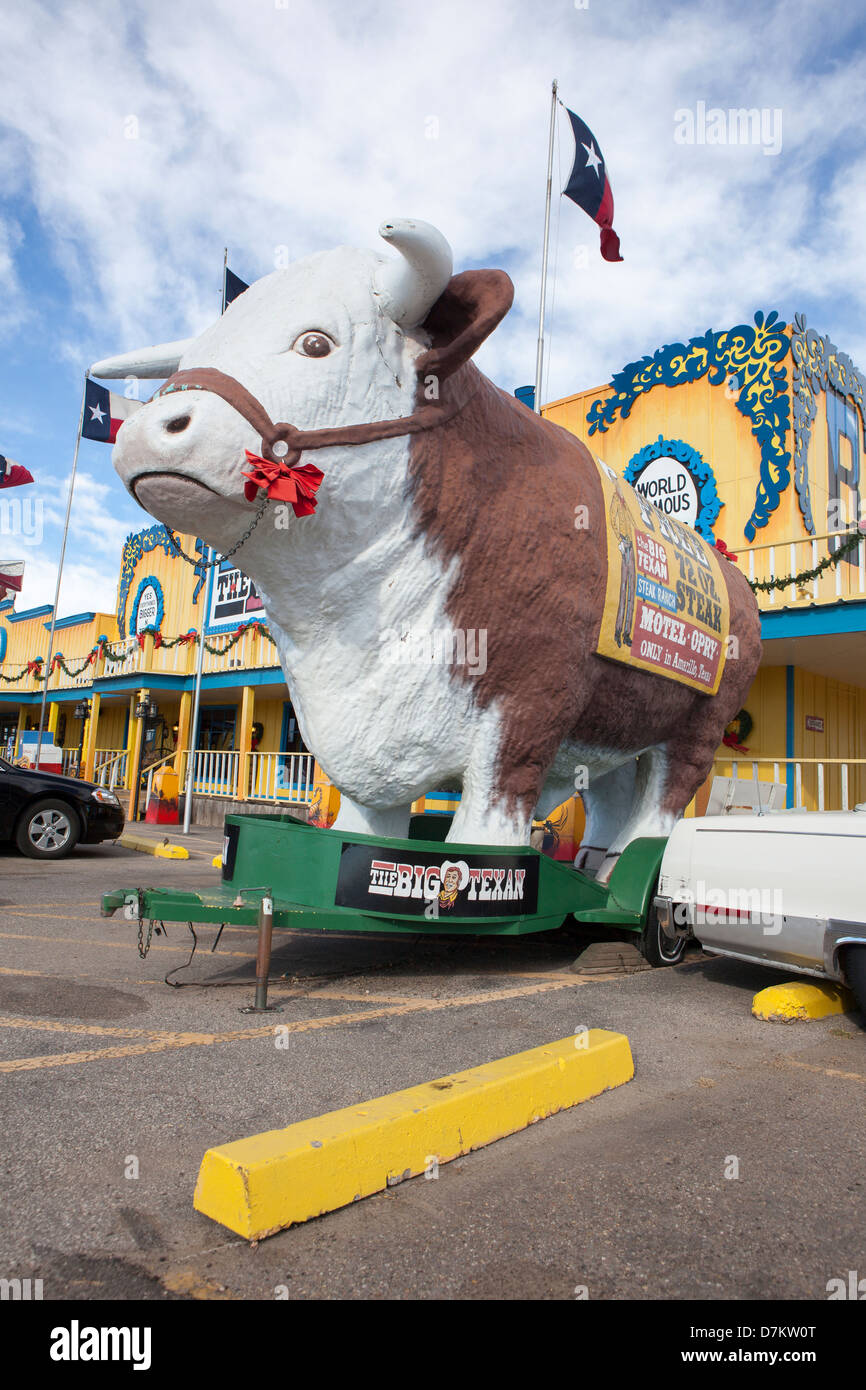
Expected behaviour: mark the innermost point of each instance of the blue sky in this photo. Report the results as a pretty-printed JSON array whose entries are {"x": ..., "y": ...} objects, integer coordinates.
[{"x": 137, "y": 140}]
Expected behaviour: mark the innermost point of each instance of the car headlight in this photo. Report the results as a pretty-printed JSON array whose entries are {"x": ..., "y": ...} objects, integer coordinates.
[{"x": 107, "y": 798}]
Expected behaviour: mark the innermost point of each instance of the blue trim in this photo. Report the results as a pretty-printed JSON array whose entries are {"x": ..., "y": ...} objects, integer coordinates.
[
  {"x": 158, "y": 681},
  {"x": 6, "y": 603},
  {"x": 149, "y": 581},
  {"x": 789, "y": 735},
  {"x": 29, "y": 613},
  {"x": 143, "y": 681},
  {"x": 4, "y": 637},
  {"x": 216, "y": 680},
  {"x": 75, "y": 619},
  {"x": 709, "y": 503},
  {"x": 824, "y": 621}
]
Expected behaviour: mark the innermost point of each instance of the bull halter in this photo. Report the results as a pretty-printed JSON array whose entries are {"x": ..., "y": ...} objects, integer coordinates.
[{"x": 276, "y": 468}]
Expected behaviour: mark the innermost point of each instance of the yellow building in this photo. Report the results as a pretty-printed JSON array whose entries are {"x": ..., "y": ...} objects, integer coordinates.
[
  {"x": 248, "y": 745},
  {"x": 753, "y": 434}
]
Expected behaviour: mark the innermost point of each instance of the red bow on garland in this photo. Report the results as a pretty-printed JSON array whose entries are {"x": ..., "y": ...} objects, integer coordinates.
[
  {"x": 730, "y": 741},
  {"x": 284, "y": 483},
  {"x": 34, "y": 667}
]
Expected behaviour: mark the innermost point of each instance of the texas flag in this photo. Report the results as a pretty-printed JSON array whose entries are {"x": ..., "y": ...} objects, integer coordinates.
[
  {"x": 105, "y": 412},
  {"x": 11, "y": 575},
  {"x": 13, "y": 474},
  {"x": 589, "y": 187}
]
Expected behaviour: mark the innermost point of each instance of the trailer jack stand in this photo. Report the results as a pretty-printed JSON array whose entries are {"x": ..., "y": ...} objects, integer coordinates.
[{"x": 263, "y": 960}]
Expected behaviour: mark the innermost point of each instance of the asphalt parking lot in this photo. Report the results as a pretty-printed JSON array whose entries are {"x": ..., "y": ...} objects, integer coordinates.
[{"x": 112, "y": 1086}]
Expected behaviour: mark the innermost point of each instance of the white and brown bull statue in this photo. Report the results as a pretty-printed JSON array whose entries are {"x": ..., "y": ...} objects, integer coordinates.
[{"x": 419, "y": 500}]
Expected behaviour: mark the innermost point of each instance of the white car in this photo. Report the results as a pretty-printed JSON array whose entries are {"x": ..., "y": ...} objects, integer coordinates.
[{"x": 785, "y": 889}]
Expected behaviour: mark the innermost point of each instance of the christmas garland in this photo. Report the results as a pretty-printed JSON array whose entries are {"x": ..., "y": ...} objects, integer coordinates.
[
  {"x": 765, "y": 585},
  {"x": 106, "y": 650}
]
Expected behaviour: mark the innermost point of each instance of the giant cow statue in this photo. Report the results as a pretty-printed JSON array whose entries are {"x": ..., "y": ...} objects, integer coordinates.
[{"x": 446, "y": 507}]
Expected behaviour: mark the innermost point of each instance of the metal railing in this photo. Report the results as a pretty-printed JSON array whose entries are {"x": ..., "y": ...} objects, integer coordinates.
[
  {"x": 813, "y": 784},
  {"x": 272, "y": 777},
  {"x": 280, "y": 776},
  {"x": 109, "y": 768}
]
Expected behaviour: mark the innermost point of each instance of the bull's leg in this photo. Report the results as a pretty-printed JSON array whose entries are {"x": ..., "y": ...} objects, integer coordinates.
[
  {"x": 608, "y": 801},
  {"x": 486, "y": 816},
  {"x": 656, "y": 805},
  {"x": 392, "y": 822}
]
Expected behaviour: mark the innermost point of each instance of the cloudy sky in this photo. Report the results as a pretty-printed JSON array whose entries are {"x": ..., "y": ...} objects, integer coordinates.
[{"x": 139, "y": 139}]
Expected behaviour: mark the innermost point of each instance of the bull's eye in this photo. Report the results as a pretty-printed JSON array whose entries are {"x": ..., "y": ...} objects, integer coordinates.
[{"x": 313, "y": 344}]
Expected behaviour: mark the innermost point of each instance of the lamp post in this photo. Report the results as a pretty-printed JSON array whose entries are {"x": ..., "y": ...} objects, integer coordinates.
[
  {"x": 146, "y": 710},
  {"x": 81, "y": 711}
]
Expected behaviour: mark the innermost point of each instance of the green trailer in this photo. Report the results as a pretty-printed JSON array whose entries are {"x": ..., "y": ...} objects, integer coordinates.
[{"x": 280, "y": 873}]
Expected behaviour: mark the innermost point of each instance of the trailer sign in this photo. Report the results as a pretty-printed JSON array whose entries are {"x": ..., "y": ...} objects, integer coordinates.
[{"x": 420, "y": 884}]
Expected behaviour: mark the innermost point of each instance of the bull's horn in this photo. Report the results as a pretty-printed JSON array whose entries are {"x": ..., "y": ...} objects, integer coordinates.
[
  {"x": 150, "y": 362},
  {"x": 409, "y": 288}
]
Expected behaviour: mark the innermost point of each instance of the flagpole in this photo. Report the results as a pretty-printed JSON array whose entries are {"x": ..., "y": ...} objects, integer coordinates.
[
  {"x": 539, "y": 358},
  {"x": 196, "y": 700},
  {"x": 47, "y": 674},
  {"x": 193, "y": 728}
]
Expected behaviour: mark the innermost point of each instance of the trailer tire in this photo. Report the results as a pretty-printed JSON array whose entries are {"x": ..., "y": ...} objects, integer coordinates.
[
  {"x": 657, "y": 948},
  {"x": 854, "y": 963}
]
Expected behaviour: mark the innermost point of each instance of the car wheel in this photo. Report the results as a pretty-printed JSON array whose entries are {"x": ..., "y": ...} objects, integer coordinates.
[
  {"x": 656, "y": 946},
  {"x": 854, "y": 963},
  {"x": 48, "y": 830}
]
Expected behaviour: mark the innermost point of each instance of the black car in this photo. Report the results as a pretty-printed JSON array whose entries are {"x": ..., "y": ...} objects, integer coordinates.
[{"x": 48, "y": 815}]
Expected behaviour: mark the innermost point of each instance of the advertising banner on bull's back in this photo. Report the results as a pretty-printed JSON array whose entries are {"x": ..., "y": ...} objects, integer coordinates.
[{"x": 666, "y": 608}]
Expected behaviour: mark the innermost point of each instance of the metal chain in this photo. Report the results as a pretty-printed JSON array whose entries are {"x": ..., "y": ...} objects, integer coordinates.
[
  {"x": 202, "y": 565},
  {"x": 143, "y": 946}
]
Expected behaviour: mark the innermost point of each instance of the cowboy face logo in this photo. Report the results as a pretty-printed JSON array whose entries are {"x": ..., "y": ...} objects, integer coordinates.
[{"x": 453, "y": 877}]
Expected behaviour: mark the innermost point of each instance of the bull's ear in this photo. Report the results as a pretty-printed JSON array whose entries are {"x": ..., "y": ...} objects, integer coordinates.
[{"x": 469, "y": 309}]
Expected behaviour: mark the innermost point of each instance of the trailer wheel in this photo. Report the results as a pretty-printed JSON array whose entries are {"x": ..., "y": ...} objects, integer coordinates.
[
  {"x": 854, "y": 962},
  {"x": 656, "y": 946}
]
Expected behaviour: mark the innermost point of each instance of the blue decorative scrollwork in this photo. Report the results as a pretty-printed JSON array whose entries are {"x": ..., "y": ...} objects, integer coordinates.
[
  {"x": 751, "y": 362},
  {"x": 136, "y": 546},
  {"x": 709, "y": 502},
  {"x": 817, "y": 363}
]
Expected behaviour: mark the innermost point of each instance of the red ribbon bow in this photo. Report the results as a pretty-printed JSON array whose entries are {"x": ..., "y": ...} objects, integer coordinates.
[
  {"x": 284, "y": 483},
  {"x": 723, "y": 549}
]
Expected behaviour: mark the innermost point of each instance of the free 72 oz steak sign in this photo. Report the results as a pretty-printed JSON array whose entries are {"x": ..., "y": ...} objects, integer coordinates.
[{"x": 416, "y": 883}]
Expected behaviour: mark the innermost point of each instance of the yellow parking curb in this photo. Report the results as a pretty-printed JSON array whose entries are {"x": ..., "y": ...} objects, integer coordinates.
[
  {"x": 155, "y": 847},
  {"x": 259, "y": 1185},
  {"x": 800, "y": 1002}
]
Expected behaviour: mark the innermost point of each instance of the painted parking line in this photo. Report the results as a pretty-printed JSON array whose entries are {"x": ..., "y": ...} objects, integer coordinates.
[
  {"x": 105, "y": 945},
  {"x": 173, "y": 1041},
  {"x": 824, "y": 1071}
]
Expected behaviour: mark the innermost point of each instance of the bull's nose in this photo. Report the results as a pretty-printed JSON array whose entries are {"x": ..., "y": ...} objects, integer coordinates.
[{"x": 176, "y": 424}]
